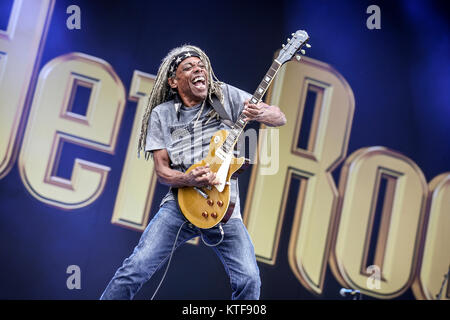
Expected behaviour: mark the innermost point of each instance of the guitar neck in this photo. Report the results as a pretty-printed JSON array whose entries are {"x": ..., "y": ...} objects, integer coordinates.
[{"x": 240, "y": 124}]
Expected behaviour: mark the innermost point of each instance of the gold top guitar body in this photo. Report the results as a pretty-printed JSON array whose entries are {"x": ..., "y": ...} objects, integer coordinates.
[{"x": 207, "y": 206}]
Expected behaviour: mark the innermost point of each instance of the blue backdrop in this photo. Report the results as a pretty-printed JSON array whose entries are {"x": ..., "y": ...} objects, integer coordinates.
[{"x": 400, "y": 76}]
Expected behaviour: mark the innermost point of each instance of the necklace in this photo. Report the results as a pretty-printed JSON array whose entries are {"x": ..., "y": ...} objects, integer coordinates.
[{"x": 199, "y": 113}]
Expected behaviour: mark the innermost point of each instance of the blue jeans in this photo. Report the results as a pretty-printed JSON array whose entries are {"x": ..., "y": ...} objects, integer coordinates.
[{"x": 235, "y": 251}]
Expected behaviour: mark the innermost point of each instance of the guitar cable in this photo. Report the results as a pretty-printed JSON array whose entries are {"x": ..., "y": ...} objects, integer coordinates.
[
  {"x": 215, "y": 244},
  {"x": 174, "y": 246},
  {"x": 170, "y": 258}
]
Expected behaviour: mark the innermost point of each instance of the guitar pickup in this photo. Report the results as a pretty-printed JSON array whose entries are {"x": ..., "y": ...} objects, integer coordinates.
[{"x": 201, "y": 192}]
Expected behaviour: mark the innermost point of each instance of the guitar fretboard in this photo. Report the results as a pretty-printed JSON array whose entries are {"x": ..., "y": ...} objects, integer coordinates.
[{"x": 240, "y": 124}]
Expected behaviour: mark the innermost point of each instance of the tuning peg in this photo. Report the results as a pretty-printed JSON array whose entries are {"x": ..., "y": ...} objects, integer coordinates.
[
  {"x": 292, "y": 34},
  {"x": 308, "y": 45},
  {"x": 298, "y": 57},
  {"x": 303, "y": 51},
  {"x": 289, "y": 39},
  {"x": 282, "y": 45}
]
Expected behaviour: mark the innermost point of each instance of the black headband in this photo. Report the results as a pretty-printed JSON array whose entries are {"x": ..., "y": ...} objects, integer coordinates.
[{"x": 179, "y": 58}]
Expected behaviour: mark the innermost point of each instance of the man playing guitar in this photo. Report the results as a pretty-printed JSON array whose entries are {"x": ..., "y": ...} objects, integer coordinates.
[{"x": 180, "y": 106}]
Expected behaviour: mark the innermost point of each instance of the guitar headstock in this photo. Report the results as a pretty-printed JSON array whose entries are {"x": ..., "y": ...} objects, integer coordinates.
[{"x": 294, "y": 47}]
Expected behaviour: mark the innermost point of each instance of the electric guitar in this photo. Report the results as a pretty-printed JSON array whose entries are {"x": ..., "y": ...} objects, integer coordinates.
[{"x": 205, "y": 207}]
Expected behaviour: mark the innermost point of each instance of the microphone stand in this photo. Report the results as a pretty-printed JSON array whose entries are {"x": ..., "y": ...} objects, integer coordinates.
[
  {"x": 354, "y": 294},
  {"x": 446, "y": 276}
]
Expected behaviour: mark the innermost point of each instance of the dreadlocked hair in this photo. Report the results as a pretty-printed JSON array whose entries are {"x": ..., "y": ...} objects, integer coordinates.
[{"x": 162, "y": 92}]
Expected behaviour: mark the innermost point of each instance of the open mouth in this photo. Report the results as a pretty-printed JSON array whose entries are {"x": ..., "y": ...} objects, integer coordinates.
[{"x": 199, "y": 82}]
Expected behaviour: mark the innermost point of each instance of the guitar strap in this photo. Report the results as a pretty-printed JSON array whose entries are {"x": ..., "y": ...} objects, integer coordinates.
[{"x": 223, "y": 114}]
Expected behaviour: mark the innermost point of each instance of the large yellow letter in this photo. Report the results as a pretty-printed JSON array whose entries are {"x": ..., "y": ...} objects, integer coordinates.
[
  {"x": 401, "y": 224},
  {"x": 327, "y": 146},
  {"x": 52, "y": 123},
  {"x": 20, "y": 47},
  {"x": 138, "y": 181},
  {"x": 436, "y": 255}
]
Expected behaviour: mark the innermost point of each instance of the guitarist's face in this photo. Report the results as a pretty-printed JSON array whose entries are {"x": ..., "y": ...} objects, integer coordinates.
[{"x": 191, "y": 81}]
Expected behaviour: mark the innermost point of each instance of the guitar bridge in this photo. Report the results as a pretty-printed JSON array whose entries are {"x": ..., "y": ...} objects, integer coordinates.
[{"x": 201, "y": 192}]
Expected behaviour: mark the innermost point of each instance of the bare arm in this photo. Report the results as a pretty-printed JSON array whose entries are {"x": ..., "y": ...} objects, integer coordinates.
[
  {"x": 199, "y": 177},
  {"x": 271, "y": 116}
]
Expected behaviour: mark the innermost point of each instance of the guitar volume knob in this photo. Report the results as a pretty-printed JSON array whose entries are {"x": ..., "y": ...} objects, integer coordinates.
[
  {"x": 210, "y": 202},
  {"x": 205, "y": 214},
  {"x": 214, "y": 215},
  {"x": 220, "y": 203}
]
